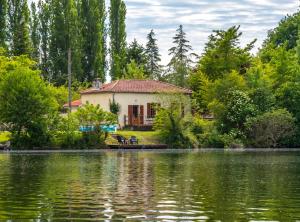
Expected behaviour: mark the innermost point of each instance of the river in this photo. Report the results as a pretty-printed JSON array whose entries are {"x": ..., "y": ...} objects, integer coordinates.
[{"x": 150, "y": 185}]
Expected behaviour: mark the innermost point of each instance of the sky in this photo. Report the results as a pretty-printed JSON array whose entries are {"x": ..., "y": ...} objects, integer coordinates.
[{"x": 200, "y": 17}]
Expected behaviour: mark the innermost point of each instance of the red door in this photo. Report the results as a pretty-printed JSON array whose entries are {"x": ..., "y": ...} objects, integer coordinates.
[{"x": 141, "y": 115}]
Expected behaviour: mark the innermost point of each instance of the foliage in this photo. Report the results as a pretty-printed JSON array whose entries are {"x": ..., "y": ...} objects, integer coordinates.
[
  {"x": 285, "y": 32},
  {"x": 18, "y": 26},
  {"x": 153, "y": 69},
  {"x": 134, "y": 71},
  {"x": 26, "y": 103},
  {"x": 181, "y": 60},
  {"x": 117, "y": 14},
  {"x": 223, "y": 54},
  {"x": 173, "y": 124},
  {"x": 3, "y": 23},
  {"x": 4, "y": 137},
  {"x": 136, "y": 52},
  {"x": 114, "y": 107},
  {"x": 271, "y": 128},
  {"x": 90, "y": 115}
]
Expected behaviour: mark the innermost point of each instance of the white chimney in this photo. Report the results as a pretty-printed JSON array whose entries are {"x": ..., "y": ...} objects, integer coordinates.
[{"x": 97, "y": 83}]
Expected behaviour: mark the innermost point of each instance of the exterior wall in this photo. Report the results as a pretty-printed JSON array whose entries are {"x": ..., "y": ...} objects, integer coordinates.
[{"x": 125, "y": 99}]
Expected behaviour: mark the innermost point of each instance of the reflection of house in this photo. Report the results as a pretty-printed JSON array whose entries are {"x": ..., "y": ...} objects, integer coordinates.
[{"x": 137, "y": 98}]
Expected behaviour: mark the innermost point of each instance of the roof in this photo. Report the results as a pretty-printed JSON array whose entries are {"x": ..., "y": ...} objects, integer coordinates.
[
  {"x": 75, "y": 103},
  {"x": 137, "y": 86}
]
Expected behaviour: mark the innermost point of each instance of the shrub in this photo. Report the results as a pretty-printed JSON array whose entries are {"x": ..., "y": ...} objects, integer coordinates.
[{"x": 271, "y": 128}]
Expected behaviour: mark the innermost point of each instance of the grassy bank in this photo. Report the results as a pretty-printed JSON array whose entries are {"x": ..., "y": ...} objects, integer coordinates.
[
  {"x": 146, "y": 138},
  {"x": 4, "y": 137}
]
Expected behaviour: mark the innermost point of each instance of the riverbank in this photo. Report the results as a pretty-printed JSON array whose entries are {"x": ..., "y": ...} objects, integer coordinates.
[{"x": 204, "y": 150}]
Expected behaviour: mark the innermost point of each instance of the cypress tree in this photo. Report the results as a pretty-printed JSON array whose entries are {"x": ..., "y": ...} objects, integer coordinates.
[
  {"x": 3, "y": 28},
  {"x": 19, "y": 35},
  {"x": 94, "y": 39},
  {"x": 153, "y": 68},
  {"x": 117, "y": 33}
]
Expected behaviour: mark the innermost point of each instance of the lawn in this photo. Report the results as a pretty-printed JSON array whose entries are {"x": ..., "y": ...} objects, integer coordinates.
[
  {"x": 144, "y": 137},
  {"x": 4, "y": 137}
]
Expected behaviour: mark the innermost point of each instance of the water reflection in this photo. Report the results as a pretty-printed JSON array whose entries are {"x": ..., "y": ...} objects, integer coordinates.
[{"x": 151, "y": 186}]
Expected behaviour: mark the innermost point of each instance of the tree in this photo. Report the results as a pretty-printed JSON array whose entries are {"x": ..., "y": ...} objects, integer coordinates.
[
  {"x": 136, "y": 52},
  {"x": 271, "y": 128},
  {"x": 117, "y": 15},
  {"x": 44, "y": 31},
  {"x": 174, "y": 126},
  {"x": 180, "y": 63},
  {"x": 94, "y": 116},
  {"x": 92, "y": 20},
  {"x": 3, "y": 23},
  {"x": 285, "y": 33},
  {"x": 153, "y": 69},
  {"x": 134, "y": 71},
  {"x": 223, "y": 54},
  {"x": 19, "y": 32},
  {"x": 64, "y": 35},
  {"x": 26, "y": 104},
  {"x": 34, "y": 32}
]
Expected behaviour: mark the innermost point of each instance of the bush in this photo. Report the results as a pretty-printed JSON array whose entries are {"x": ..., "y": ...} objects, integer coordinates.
[{"x": 271, "y": 129}]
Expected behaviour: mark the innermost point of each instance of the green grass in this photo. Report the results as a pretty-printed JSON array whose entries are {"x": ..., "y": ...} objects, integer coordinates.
[
  {"x": 4, "y": 137},
  {"x": 144, "y": 137}
]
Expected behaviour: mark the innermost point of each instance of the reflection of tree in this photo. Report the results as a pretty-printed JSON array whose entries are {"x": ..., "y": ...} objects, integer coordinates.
[
  {"x": 117, "y": 185},
  {"x": 22, "y": 191}
]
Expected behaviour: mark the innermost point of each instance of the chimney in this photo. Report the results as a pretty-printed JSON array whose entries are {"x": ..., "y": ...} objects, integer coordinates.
[{"x": 97, "y": 83}]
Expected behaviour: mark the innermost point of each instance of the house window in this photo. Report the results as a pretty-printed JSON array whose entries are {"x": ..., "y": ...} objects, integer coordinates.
[{"x": 151, "y": 109}]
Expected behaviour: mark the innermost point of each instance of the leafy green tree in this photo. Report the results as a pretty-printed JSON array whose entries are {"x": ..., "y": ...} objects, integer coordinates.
[
  {"x": 92, "y": 20},
  {"x": 223, "y": 54},
  {"x": 285, "y": 33},
  {"x": 26, "y": 104},
  {"x": 117, "y": 16},
  {"x": 153, "y": 69},
  {"x": 94, "y": 116},
  {"x": 271, "y": 128},
  {"x": 134, "y": 71},
  {"x": 19, "y": 31},
  {"x": 34, "y": 32},
  {"x": 181, "y": 61},
  {"x": 239, "y": 108},
  {"x": 3, "y": 23}
]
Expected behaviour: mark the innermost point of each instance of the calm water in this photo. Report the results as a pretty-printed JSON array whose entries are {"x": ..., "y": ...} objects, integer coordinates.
[{"x": 198, "y": 186}]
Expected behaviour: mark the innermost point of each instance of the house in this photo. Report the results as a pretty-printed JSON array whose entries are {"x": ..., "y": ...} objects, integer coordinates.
[{"x": 137, "y": 99}]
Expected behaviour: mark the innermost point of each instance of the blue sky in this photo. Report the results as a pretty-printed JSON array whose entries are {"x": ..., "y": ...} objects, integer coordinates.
[{"x": 200, "y": 17}]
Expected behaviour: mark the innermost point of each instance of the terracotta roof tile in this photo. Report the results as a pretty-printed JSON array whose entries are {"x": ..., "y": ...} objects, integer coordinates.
[
  {"x": 75, "y": 103},
  {"x": 137, "y": 86}
]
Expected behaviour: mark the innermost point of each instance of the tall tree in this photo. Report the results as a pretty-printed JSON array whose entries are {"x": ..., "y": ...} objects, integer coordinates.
[
  {"x": 94, "y": 39},
  {"x": 18, "y": 17},
  {"x": 153, "y": 68},
  {"x": 117, "y": 18},
  {"x": 34, "y": 32},
  {"x": 64, "y": 34},
  {"x": 44, "y": 31},
  {"x": 3, "y": 30},
  {"x": 180, "y": 63}
]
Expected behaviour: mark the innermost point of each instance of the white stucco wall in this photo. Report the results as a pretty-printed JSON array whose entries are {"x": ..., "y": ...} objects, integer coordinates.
[{"x": 125, "y": 99}]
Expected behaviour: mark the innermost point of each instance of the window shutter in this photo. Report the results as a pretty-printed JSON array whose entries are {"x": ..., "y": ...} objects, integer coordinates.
[{"x": 148, "y": 110}]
